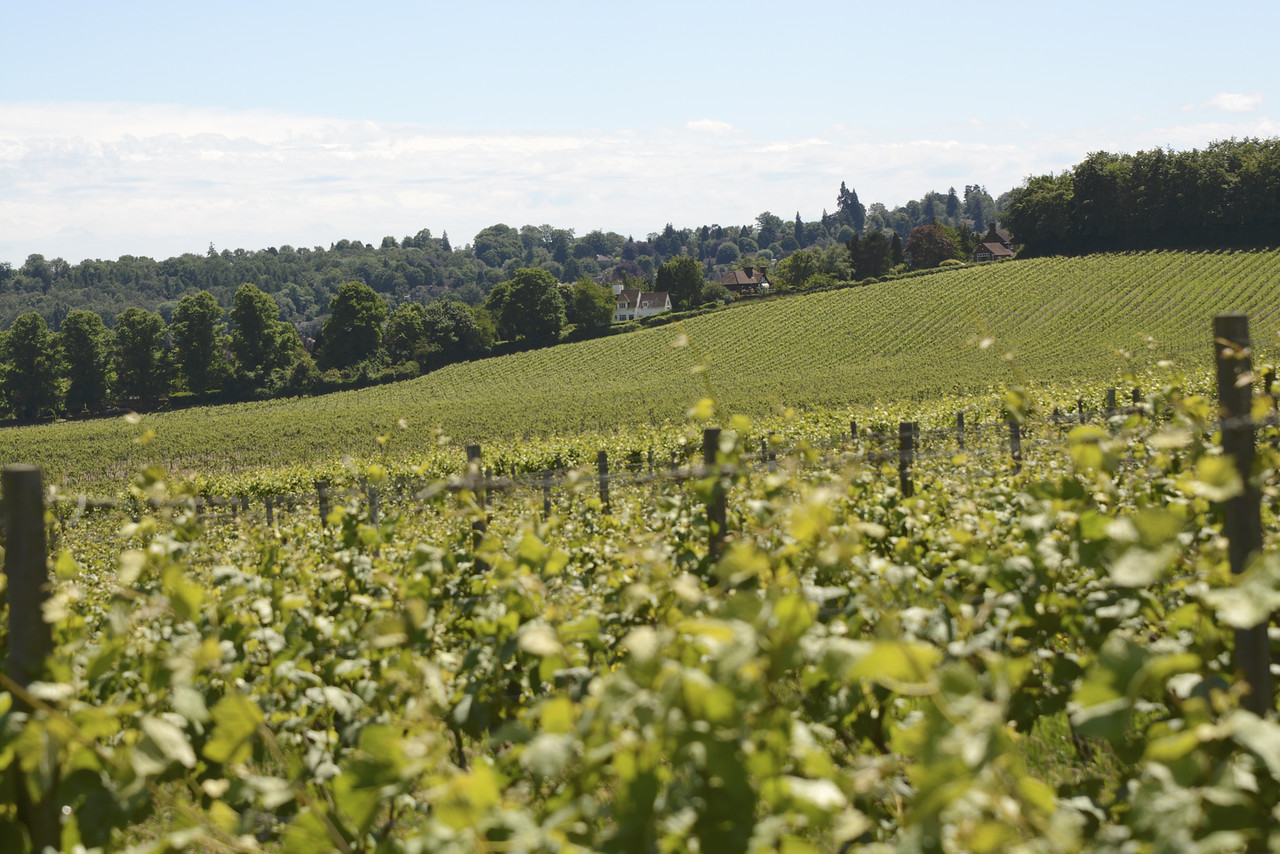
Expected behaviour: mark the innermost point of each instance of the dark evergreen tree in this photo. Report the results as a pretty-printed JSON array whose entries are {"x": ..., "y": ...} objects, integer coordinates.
[
  {"x": 953, "y": 204},
  {"x": 851, "y": 211}
]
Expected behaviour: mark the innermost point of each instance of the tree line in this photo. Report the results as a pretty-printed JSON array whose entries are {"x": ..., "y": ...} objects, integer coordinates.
[
  {"x": 206, "y": 354},
  {"x": 423, "y": 267},
  {"x": 1225, "y": 195}
]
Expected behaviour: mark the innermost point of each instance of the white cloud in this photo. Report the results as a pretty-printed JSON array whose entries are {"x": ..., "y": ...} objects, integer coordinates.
[
  {"x": 1230, "y": 102},
  {"x": 83, "y": 181},
  {"x": 710, "y": 126}
]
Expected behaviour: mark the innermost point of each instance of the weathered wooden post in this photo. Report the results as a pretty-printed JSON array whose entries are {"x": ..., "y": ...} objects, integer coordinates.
[
  {"x": 853, "y": 430},
  {"x": 1111, "y": 402},
  {"x": 322, "y": 493},
  {"x": 960, "y": 430},
  {"x": 1243, "y": 513},
  {"x": 546, "y": 494},
  {"x": 480, "y": 525},
  {"x": 906, "y": 456},
  {"x": 602, "y": 472},
  {"x": 271, "y": 510},
  {"x": 1015, "y": 445},
  {"x": 30, "y": 638},
  {"x": 1080, "y": 408},
  {"x": 651, "y": 461},
  {"x": 372, "y": 492},
  {"x": 716, "y": 510}
]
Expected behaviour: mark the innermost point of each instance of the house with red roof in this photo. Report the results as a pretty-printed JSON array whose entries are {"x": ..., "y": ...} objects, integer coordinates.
[
  {"x": 745, "y": 281},
  {"x": 996, "y": 245}
]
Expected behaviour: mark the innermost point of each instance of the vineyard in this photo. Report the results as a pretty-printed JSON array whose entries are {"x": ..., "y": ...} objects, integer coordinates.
[
  {"x": 918, "y": 343},
  {"x": 1037, "y": 655},
  {"x": 1016, "y": 619}
]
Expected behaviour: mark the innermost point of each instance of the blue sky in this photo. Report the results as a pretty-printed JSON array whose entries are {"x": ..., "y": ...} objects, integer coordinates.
[{"x": 156, "y": 128}]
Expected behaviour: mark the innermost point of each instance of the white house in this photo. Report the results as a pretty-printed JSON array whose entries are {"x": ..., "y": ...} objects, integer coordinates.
[{"x": 633, "y": 304}]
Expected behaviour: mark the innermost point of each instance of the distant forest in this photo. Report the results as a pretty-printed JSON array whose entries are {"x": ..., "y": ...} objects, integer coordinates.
[
  {"x": 423, "y": 268},
  {"x": 1226, "y": 195}
]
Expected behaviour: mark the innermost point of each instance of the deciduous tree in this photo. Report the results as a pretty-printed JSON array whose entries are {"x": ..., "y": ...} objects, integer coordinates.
[
  {"x": 682, "y": 278},
  {"x": 140, "y": 365},
  {"x": 198, "y": 336},
  {"x": 528, "y": 306},
  {"x": 31, "y": 365},
  {"x": 86, "y": 347},
  {"x": 591, "y": 305},
  {"x": 353, "y": 330},
  {"x": 929, "y": 246}
]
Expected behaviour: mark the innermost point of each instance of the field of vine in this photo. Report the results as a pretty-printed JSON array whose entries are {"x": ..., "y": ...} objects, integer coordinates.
[
  {"x": 1045, "y": 324},
  {"x": 1009, "y": 660}
]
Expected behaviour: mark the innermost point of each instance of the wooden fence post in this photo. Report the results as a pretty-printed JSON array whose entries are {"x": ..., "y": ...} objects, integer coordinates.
[
  {"x": 853, "y": 430},
  {"x": 716, "y": 511},
  {"x": 271, "y": 510},
  {"x": 479, "y": 526},
  {"x": 1015, "y": 445},
  {"x": 372, "y": 492},
  {"x": 1111, "y": 402},
  {"x": 30, "y": 638},
  {"x": 322, "y": 493},
  {"x": 1080, "y": 408},
  {"x": 1242, "y": 515},
  {"x": 906, "y": 456},
  {"x": 960, "y": 430},
  {"x": 546, "y": 492},
  {"x": 602, "y": 471}
]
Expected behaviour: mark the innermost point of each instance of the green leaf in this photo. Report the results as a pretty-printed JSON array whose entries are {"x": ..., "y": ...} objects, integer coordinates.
[
  {"x": 235, "y": 720},
  {"x": 546, "y": 755},
  {"x": 898, "y": 665},
  {"x": 170, "y": 740},
  {"x": 1253, "y": 598}
]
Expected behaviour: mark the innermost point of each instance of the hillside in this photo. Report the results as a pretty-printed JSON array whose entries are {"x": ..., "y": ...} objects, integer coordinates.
[{"x": 914, "y": 339}]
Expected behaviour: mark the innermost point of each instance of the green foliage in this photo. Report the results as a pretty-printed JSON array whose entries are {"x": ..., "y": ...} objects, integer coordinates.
[
  {"x": 792, "y": 271},
  {"x": 31, "y": 366},
  {"x": 1039, "y": 660},
  {"x": 875, "y": 255},
  {"x": 727, "y": 253},
  {"x": 86, "y": 347},
  {"x": 353, "y": 330},
  {"x": 913, "y": 338},
  {"x": 255, "y": 331},
  {"x": 590, "y": 306},
  {"x": 198, "y": 340},
  {"x": 1222, "y": 195},
  {"x": 141, "y": 368},
  {"x": 682, "y": 278},
  {"x": 528, "y": 306},
  {"x": 930, "y": 245}
]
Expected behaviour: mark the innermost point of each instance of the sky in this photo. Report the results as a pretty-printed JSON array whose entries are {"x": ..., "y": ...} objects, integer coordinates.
[{"x": 159, "y": 128}]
